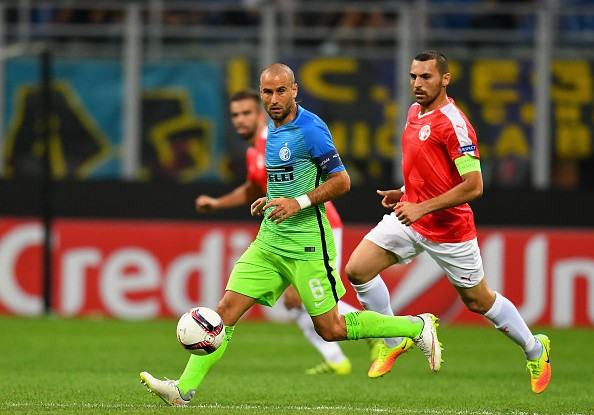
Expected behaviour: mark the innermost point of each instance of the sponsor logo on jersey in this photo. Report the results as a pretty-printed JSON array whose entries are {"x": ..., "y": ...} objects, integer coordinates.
[
  {"x": 467, "y": 149},
  {"x": 425, "y": 132},
  {"x": 284, "y": 153},
  {"x": 280, "y": 174}
]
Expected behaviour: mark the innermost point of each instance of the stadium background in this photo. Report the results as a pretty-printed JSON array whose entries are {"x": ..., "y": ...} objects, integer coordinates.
[
  {"x": 133, "y": 110},
  {"x": 101, "y": 249}
]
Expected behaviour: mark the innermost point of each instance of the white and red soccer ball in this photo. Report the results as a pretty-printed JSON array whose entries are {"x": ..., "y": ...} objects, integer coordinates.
[{"x": 200, "y": 331}]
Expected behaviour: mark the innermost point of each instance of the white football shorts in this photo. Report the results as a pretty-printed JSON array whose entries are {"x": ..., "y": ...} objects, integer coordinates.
[{"x": 461, "y": 261}]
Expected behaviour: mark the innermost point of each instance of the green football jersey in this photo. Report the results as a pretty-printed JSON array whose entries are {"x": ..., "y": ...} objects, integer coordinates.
[{"x": 299, "y": 157}]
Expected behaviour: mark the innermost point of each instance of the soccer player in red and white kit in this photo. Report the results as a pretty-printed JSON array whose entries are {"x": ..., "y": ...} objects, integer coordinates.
[
  {"x": 248, "y": 121},
  {"x": 441, "y": 169}
]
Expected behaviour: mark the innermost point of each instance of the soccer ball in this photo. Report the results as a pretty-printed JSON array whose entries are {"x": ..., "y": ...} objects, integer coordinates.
[{"x": 200, "y": 331}]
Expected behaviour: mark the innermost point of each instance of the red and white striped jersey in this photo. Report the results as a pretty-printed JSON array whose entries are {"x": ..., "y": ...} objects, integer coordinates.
[{"x": 430, "y": 144}]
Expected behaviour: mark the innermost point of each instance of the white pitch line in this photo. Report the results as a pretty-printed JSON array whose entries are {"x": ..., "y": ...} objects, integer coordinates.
[{"x": 253, "y": 407}]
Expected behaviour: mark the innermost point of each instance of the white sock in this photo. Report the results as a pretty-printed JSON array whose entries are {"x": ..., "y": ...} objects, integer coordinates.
[
  {"x": 506, "y": 318},
  {"x": 374, "y": 296},
  {"x": 344, "y": 308},
  {"x": 331, "y": 351}
]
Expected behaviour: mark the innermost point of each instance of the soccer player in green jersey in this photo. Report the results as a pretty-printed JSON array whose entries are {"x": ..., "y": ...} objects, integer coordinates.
[
  {"x": 295, "y": 245},
  {"x": 247, "y": 117}
]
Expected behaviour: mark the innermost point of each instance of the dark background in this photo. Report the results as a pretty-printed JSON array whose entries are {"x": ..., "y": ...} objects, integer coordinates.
[{"x": 172, "y": 201}]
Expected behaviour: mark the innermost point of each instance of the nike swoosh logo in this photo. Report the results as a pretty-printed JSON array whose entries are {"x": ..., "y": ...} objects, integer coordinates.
[{"x": 319, "y": 303}]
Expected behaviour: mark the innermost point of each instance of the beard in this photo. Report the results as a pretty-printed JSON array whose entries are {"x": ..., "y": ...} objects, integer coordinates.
[
  {"x": 426, "y": 100},
  {"x": 285, "y": 112},
  {"x": 247, "y": 136}
]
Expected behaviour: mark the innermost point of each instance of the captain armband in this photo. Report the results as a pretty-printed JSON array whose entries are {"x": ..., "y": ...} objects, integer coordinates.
[
  {"x": 329, "y": 161},
  {"x": 466, "y": 164}
]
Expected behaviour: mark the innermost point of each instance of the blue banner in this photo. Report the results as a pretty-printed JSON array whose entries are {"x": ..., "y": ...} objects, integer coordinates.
[{"x": 182, "y": 115}]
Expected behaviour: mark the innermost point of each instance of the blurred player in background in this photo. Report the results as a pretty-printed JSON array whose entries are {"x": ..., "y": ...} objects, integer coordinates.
[
  {"x": 295, "y": 244},
  {"x": 441, "y": 168},
  {"x": 249, "y": 122}
]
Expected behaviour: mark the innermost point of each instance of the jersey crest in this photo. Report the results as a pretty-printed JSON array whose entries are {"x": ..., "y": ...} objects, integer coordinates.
[
  {"x": 425, "y": 132},
  {"x": 285, "y": 152}
]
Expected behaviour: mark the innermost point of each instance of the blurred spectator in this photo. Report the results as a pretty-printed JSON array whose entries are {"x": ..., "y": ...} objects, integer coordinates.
[
  {"x": 103, "y": 16},
  {"x": 451, "y": 20},
  {"x": 566, "y": 174},
  {"x": 342, "y": 34},
  {"x": 577, "y": 21},
  {"x": 494, "y": 18},
  {"x": 42, "y": 14},
  {"x": 239, "y": 13},
  {"x": 184, "y": 18},
  {"x": 357, "y": 28},
  {"x": 66, "y": 14},
  {"x": 373, "y": 25},
  {"x": 511, "y": 171}
]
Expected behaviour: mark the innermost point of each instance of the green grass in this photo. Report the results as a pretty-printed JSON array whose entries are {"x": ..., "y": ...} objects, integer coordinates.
[{"x": 91, "y": 367}]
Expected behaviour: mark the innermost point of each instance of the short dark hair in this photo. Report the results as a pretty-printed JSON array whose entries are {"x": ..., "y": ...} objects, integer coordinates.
[
  {"x": 245, "y": 94},
  {"x": 440, "y": 59}
]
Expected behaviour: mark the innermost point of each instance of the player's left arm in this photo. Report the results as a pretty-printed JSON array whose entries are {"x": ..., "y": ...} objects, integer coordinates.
[
  {"x": 321, "y": 148},
  {"x": 335, "y": 185}
]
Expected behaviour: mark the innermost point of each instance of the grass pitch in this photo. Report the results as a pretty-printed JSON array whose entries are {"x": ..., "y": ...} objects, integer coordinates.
[{"x": 91, "y": 367}]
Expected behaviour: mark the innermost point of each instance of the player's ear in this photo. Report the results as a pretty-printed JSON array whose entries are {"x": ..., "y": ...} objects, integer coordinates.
[
  {"x": 445, "y": 79},
  {"x": 295, "y": 89}
]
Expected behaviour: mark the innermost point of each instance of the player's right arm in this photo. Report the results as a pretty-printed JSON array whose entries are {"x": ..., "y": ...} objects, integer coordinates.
[
  {"x": 241, "y": 195},
  {"x": 390, "y": 197},
  {"x": 335, "y": 185}
]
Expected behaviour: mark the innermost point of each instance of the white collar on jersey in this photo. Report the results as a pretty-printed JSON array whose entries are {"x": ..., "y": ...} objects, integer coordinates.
[{"x": 432, "y": 111}]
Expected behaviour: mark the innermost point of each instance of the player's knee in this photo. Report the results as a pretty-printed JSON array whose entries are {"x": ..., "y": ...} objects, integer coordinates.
[
  {"x": 478, "y": 299},
  {"x": 355, "y": 274},
  {"x": 475, "y": 305},
  {"x": 292, "y": 299}
]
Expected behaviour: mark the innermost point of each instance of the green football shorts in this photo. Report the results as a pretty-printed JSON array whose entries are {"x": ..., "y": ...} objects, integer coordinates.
[{"x": 264, "y": 275}]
